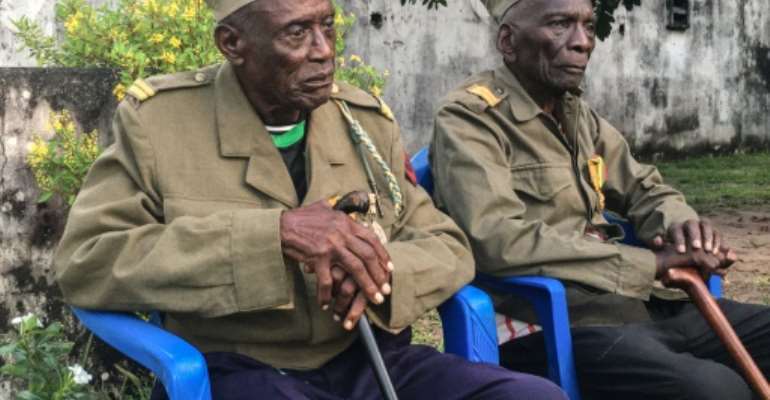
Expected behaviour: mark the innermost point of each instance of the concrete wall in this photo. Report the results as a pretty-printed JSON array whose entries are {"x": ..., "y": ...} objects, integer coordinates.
[
  {"x": 28, "y": 230},
  {"x": 707, "y": 88}
]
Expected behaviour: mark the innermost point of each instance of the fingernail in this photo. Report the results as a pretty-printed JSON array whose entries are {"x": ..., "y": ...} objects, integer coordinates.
[
  {"x": 696, "y": 244},
  {"x": 386, "y": 288},
  {"x": 707, "y": 246},
  {"x": 325, "y": 307},
  {"x": 348, "y": 325},
  {"x": 391, "y": 268},
  {"x": 379, "y": 298},
  {"x": 715, "y": 251},
  {"x": 681, "y": 248},
  {"x": 336, "y": 318}
]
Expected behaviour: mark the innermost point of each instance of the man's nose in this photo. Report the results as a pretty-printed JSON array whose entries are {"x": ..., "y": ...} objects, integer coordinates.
[
  {"x": 582, "y": 40},
  {"x": 322, "y": 47}
]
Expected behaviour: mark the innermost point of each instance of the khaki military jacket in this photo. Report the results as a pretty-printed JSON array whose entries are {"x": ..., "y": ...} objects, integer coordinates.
[
  {"x": 182, "y": 215},
  {"x": 517, "y": 182}
]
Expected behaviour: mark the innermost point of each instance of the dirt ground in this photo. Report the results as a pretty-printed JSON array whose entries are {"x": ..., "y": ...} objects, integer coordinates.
[{"x": 748, "y": 233}]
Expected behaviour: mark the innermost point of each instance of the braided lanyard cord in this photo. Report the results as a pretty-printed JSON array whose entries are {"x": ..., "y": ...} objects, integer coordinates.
[{"x": 365, "y": 144}]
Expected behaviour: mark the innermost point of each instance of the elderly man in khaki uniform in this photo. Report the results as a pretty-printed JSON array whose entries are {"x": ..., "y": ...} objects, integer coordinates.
[
  {"x": 213, "y": 206},
  {"x": 527, "y": 169}
]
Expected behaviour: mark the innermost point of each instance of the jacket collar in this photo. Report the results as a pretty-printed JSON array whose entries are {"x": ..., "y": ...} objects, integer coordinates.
[
  {"x": 242, "y": 134},
  {"x": 523, "y": 107}
]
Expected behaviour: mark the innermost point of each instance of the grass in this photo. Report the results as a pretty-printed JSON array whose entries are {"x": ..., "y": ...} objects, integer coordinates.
[{"x": 710, "y": 182}]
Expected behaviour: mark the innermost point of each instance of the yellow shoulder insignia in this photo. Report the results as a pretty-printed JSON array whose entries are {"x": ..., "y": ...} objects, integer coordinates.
[
  {"x": 385, "y": 110},
  {"x": 487, "y": 95},
  {"x": 141, "y": 90}
]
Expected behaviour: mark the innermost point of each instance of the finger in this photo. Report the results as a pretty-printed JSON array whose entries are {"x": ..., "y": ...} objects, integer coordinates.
[
  {"x": 356, "y": 310},
  {"x": 344, "y": 299},
  {"x": 730, "y": 258},
  {"x": 368, "y": 256},
  {"x": 356, "y": 268},
  {"x": 338, "y": 274},
  {"x": 656, "y": 243},
  {"x": 717, "y": 245},
  {"x": 694, "y": 234},
  {"x": 676, "y": 233},
  {"x": 382, "y": 254},
  {"x": 708, "y": 235},
  {"x": 324, "y": 282}
]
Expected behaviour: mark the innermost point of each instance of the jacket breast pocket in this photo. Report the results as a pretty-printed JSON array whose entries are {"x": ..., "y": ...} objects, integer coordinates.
[{"x": 547, "y": 190}]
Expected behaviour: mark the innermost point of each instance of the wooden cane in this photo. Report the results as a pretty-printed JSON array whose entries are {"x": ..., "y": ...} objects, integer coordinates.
[
  {"x": 691, "y": 282},
  {"x": 362, "y": 203}
]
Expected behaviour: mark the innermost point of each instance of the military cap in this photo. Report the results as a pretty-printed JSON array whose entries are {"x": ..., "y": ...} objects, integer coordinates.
[
  {"x": 497, "y": 8},
  {"x": 223, "y": 8}
]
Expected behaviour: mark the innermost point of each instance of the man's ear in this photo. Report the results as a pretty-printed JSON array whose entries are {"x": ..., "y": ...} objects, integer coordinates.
[
  {"x": 506, "y": 41},
  {"x": 230, "y": 43}
]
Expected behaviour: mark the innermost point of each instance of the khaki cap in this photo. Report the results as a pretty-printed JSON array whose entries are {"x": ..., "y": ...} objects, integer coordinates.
[
  {"x": 223, "y": 8},
  {"x": 497, "y": 8}
]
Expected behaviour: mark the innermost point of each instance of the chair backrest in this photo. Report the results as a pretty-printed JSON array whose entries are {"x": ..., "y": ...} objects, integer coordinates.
[{"x": 421, "y": 165}]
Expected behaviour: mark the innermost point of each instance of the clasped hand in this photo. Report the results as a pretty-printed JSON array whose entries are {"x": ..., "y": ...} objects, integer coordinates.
[
  {"x": 352, "y": 267},
  {"x": 695, "y": 244}
]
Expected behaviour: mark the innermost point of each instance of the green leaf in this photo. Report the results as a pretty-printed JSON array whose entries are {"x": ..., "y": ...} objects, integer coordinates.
[{"x": 45, "y": 197}]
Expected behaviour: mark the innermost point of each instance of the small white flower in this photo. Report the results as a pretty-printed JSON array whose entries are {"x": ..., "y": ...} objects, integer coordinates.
[
  {"x": 105, "y": 376},
  {"x": 24, "y": 319},
  {"x": 79, "y": 375}
]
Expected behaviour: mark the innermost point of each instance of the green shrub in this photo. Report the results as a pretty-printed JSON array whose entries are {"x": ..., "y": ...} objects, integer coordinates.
[
  {"x": 36, "y": 360},
  {"x": 61, "y": 163},
  {"x": 140, "y": 38}
]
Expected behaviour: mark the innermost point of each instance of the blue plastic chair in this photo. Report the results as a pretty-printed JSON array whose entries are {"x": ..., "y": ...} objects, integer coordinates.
[
  {"x": 547, "y": 296},
  {"x": 468, "y": 324}
]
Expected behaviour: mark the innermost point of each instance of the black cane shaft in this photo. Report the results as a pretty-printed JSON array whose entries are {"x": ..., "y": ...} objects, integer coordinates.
[{"x": 386, "y": 386}]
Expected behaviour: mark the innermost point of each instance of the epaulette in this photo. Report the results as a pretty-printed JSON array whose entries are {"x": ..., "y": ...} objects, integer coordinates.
[
  {"x": 485, "y": 94},
  {"x": 357, "y": 97},
  {"x": 144, "y": 89}
]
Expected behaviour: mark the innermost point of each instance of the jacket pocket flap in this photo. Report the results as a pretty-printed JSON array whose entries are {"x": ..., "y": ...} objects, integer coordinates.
[{"x": 541, "y": 181}]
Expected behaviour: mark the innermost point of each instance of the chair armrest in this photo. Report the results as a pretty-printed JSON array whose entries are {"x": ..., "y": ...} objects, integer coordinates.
[
  {"x": 180, "y": 366},
  {"x": 548, "y": 297},
  {"x": 468, "y": 321}
]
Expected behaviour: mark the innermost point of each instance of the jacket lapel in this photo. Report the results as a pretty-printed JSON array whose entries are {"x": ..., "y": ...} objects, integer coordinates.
[{"x": 243, "y": 135}]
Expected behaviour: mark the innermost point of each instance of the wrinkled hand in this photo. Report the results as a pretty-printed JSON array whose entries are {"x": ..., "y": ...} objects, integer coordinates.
[
  {"x": 705, "y": 263},
  {"x": 319, "y": 237},
  {"x": 697, "y": 235},
  {"x": 349, "y": 300}
]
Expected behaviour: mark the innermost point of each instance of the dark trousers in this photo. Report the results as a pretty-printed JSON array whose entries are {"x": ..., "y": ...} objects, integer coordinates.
[
  {"x": 417, "y": 372},
  {"x": 675, "y": 356}
]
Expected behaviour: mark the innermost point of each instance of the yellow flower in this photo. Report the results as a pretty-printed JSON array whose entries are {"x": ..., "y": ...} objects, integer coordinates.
[
  {"x": 157, "y": 38},
  {"x": 172, "y": 9},
  {"x": 356, "y": 58},
  {"x": 73, "y": 22},
  {"x": 119, "y": 91},
  {"x": 341, "y": 61},
  {"x": 190, "y": 13},
  {"x": 175, "y": 42},
  {"x": 37, "y": 152},
  {"x": 57, "y": 125},
  {"x": 168, "y": 57}
]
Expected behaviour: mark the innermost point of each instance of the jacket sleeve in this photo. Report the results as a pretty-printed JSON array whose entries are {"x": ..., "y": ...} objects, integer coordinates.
[
  {"x": 474, "y": 185},
  {"x": 636, "y": 190},
  {"x": 431, "y": 255},
  {"x": 117, "y": 252}
]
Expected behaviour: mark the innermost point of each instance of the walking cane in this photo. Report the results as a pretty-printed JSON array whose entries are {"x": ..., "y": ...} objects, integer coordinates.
[
  {"x": 360, "y": 202},
  {"x": 691, "y": 282}
]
